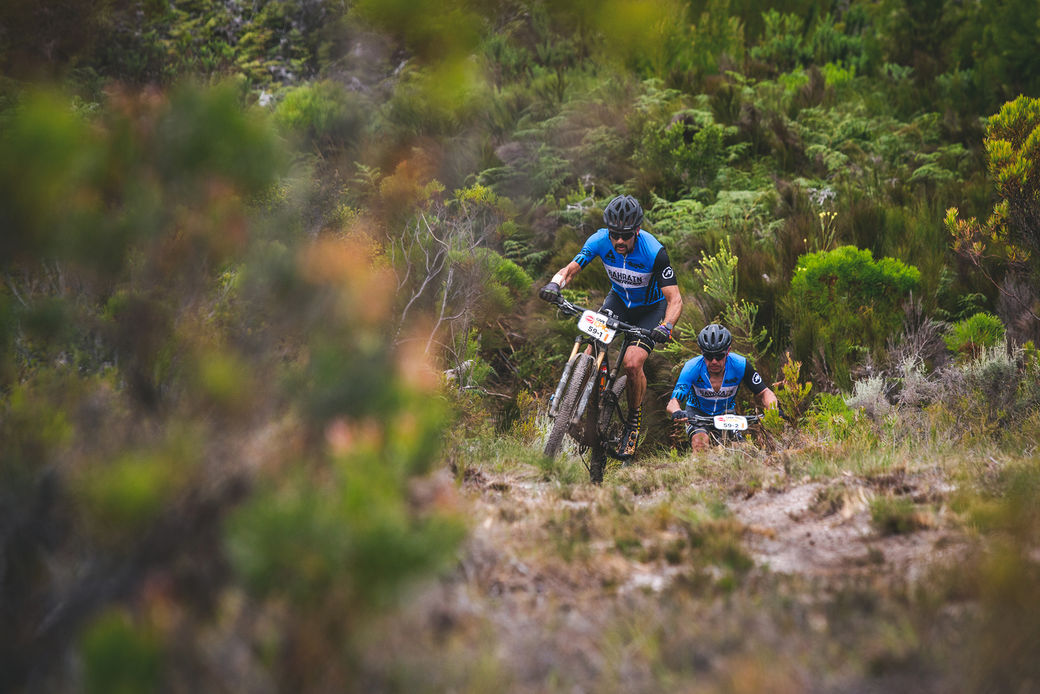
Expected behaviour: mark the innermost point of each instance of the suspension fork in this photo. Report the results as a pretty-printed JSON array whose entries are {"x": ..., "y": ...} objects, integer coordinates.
[
  {"x": 555, "y": 404},
  {"x": 593, "y": 381}
]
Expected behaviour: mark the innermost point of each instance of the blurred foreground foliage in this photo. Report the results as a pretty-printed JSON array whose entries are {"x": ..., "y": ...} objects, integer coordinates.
[{"x": 205, "y": 418}]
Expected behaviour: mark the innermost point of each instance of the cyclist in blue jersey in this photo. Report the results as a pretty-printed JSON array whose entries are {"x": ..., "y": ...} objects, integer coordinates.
[
  {"x": 709, "y": 383},
  {"x": 643, "y": 292}
]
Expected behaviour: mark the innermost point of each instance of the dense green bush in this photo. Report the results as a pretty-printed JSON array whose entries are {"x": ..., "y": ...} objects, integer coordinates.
[
  {"x": 325, "y": 114},
  {"x": 782, "y": 45},
  {"x": 969, "y": 337},
  {"x": 831, "y": 419},
  {"x": 843, "y": 303}
]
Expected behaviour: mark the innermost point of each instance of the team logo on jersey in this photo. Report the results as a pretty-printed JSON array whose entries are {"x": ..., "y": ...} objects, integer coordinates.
[
  {"x": 636, "y": 265},
  {"x": 610, "y": 256},
  {"x": 667, "y": 273},
  {"x": 756, "y": 379},
  {"x": 723, "y": 392},
  {"x": 625, "y": 279}
]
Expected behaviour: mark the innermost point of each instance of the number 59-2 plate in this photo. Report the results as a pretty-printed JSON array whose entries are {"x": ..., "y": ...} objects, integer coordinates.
[
  {"x": 730, "y": 422},
  {"x": 595, "y": 324}
]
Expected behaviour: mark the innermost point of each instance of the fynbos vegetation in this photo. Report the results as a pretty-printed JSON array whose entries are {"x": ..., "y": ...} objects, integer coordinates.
[{"x": 273, "y": 376}]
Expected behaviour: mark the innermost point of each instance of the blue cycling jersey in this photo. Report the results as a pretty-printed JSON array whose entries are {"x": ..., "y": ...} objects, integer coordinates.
[
  {"x": 694, "y": 387},
  {"x": 637, "y": 278}
]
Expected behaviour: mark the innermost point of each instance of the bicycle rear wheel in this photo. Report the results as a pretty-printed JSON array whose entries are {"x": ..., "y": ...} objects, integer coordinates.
[
  {"x": 613, "y": 413},
  {"x": 568, "y": 401}
]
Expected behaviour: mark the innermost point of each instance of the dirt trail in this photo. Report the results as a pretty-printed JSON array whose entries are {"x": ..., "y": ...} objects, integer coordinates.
[
  {"x": 582, "y": 586},
  {"x": 808, "y": 528}
]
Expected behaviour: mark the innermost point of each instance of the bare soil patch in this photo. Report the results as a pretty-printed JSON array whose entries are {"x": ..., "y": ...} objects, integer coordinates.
[{"x": 808, "y": 529}]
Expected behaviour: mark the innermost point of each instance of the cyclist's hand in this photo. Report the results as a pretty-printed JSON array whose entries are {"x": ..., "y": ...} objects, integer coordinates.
[
  {"x": 661, "y": 333},
  {"x": 550, "y": 293},
  {"x": 678, "y": 435}
]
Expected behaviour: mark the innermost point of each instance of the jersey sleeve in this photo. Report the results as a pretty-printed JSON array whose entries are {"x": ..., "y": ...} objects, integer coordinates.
[
  {"x": 591, "y": 249},
  {"x": 753, "y": 380},
  {"x": 663, "y": 272},
  {"x": 684, "y": 383}
]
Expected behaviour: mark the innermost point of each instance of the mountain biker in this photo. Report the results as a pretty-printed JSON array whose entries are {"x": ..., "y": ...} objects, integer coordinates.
[
  {"x": 709, "y": 384},
  {"x": 643, "y": 292}
]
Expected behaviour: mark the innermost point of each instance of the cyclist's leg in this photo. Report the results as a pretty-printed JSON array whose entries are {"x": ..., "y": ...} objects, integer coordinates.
[
  {"x": 699, "y": 442},
  {"x": 648, "y": 317},
  {"x": 698, "y": 433},
  {"x": 636, "y": 355}
]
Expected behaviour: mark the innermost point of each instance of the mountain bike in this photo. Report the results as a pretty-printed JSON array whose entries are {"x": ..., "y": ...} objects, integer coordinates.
[{"x": 588, "y": 403}]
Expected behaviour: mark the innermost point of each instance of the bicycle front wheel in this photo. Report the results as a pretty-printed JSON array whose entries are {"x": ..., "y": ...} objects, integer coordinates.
[{"x": 568, "y": 401}]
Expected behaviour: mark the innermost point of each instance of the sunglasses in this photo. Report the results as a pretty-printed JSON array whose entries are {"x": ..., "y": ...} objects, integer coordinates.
[
  {"x": 623, "y": 235},
  {"x": 714, "y": 356}
]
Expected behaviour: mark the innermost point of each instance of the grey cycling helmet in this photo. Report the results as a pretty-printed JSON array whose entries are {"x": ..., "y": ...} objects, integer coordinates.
[
  {"x": 714, "y": 338},
  {"x": 623, "y": 213}
]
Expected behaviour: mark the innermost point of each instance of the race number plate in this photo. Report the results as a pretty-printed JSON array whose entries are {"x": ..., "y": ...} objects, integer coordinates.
[
  {"x": 595, "y": 324},
  {"x": 730, "y": 422}
]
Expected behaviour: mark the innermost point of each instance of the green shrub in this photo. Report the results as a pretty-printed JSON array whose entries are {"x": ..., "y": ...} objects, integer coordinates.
[
  {"x": 686, "y": 152},
  {"x": 433, "y": 101},
  {"x": 691, "y": 224},
  {"x": 1011, "y": 234},
  {"x": 970, "y": 336},
  {"x": 715, "y": 37},
  {"x": 324, "y": 114},
  {"x": 119, "y": 657},
  {"x": 719, "y": 276},
  {"x": 837, "y": 75},
  {"x": 783, "y": 45},
  {"x": 831, "y": 419},
  {"x": 790, "y": 391},
  {"x": 849, "y": 39},
  {"x": 842, "y": 301}
]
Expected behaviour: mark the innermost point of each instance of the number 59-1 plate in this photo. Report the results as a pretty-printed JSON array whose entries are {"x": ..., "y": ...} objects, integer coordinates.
[
  {"x": 730, "y": 422},
  {"x": 595, "y": 324}
]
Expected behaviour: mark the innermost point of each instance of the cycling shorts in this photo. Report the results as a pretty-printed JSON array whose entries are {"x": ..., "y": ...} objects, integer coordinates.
[{"x": 648, "y": 317}]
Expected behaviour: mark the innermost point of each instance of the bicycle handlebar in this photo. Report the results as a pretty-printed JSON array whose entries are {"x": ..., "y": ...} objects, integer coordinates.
[
  {"x": 710, "y": 419},
  {"x": 575, "y": 310}
]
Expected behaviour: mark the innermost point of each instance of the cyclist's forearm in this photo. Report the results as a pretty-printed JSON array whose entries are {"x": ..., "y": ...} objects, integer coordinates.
[
  {"x": 674, "y": 308},
  {"x": 767, "y": 399},
  {"x": 566, "y": 274},
  {"x": 673, "y": 406}
]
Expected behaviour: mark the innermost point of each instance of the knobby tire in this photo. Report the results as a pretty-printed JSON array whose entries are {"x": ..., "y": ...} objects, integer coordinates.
[
  {"x": 613, "y": 415},
  {"x": 569, "y": 400},
  {"x": 597, "y": 455}
]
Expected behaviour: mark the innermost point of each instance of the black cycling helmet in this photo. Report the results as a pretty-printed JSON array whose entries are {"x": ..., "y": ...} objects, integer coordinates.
[
  {"x": 623, "y": 213},
  {"x": 714, "y": 339}
]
